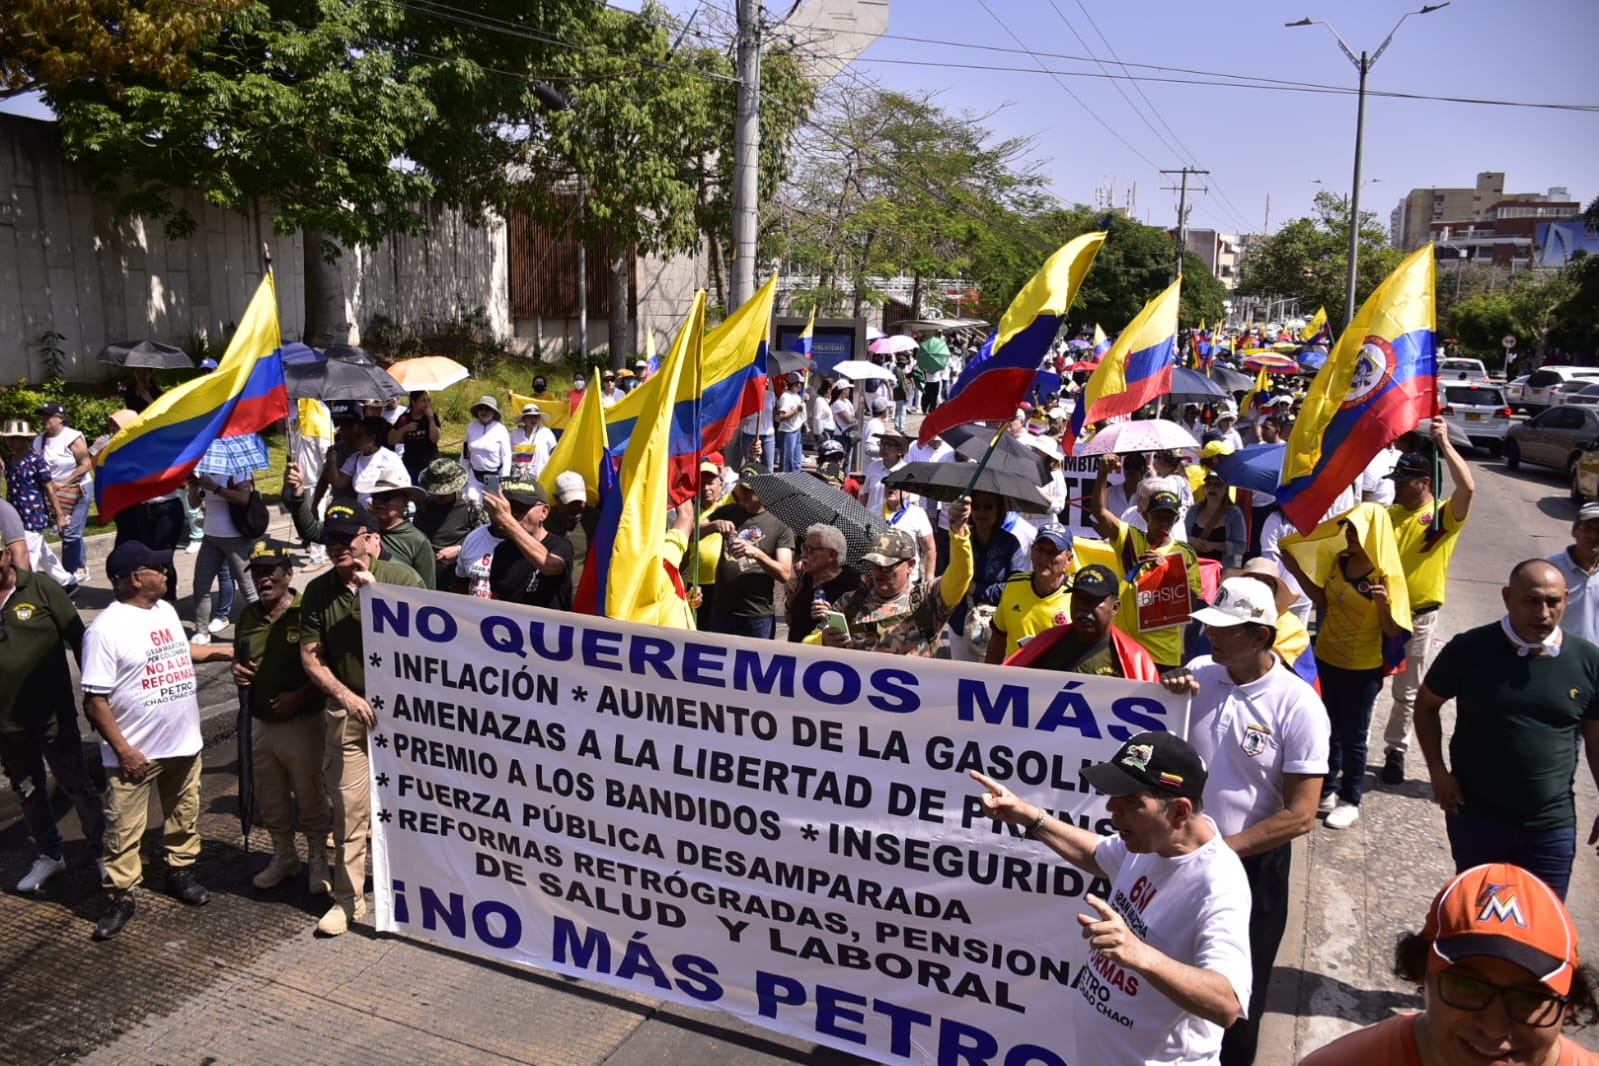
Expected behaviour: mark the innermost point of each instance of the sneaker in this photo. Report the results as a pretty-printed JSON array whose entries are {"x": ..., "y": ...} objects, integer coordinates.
[
  {"x": 115, "y": 917},
  {"x": 1393, "y": 768},
  {"x": 182, "y": 887},
  {"x": 201, "y": 639},
  {"x": 1328, "y": 804},
  {"x": 218, "y": 624},
  {"x": 43, "y": 868},
  {"x": 1345, "y": 816},
  {"x": 193, "y": 548},
  {"x": 82, "y": 574}
]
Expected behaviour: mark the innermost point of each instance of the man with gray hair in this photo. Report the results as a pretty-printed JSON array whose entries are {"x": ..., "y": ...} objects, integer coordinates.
[{"x": 820, "y": 578}]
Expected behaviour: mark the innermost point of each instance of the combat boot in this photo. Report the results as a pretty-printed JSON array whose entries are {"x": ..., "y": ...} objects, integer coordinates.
[
  {"x": 320, "y": 877},
  {"x": 284, "y": 865}
]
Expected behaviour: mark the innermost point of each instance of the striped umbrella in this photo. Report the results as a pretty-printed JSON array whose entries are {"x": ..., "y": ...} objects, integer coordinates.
[{"x": 1272, "y": 363}]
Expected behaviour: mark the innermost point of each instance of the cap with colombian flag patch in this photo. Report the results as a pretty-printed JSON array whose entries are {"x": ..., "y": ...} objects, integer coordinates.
[{"x": 1159, "y": 762}]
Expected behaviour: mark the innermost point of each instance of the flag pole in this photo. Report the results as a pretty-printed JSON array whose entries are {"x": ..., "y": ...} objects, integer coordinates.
[{"x": 699, "y": 442}]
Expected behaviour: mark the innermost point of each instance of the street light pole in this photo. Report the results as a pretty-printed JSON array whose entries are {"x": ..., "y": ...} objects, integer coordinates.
[{"x": 1363, "y": 64}]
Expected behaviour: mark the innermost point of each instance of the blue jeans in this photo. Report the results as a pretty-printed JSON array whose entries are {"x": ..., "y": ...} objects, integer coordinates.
[
  {"x": 73, "y": 556},
  {"x": 789, "y": 453},
  {"x": 768, "y": 457},
  {"x": 899, "y": 415},
  {"x": 737, "y": 625},
  {"x": 1545, "y": 852},
  {"x": 1349, "y": 696}
]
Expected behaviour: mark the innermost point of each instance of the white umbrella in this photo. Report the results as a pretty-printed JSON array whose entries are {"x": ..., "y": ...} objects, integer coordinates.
[
  {"x": 1044, "y": 445},
  {"x": 873, "y": 333},
  {"x": 1146, "y": 435},
  {"x": 890, "y": 345},
  {"x": 860, "y": 370}
]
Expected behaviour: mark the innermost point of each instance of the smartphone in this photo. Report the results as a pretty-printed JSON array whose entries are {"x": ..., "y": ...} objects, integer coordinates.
[
  {"x": 491, "y": 483},
  {"x": 837, "y": 620}
]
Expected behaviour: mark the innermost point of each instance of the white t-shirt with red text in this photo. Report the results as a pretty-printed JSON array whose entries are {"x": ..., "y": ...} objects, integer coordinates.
[
  {"x": 138, "y": 658},
  {"x": 1193, "y": 908}
]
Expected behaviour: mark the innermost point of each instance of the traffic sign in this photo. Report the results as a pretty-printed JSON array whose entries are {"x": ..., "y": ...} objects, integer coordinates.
[{"x": 1509, "y": 341}]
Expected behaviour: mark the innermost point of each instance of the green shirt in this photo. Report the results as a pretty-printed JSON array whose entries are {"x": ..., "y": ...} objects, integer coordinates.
[
  {"x": 273, "y": 645},
  {"x": 403, "y": 544},
  {"x": 330, "y": 615},
  {"x": 1518, "y": 724},
  {"x": 40, "y": 624}
]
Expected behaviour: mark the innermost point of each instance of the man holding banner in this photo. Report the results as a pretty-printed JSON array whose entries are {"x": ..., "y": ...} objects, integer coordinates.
[{"x": 1168, "y": 965}]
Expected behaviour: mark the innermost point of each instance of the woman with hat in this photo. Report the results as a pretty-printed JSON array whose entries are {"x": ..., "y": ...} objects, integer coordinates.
[
  {"x": 447, "y": 515},
  {"x": 66, "y": 454},
  {"x": 531, "y": 442},
  {"x": 843, "y": 410},
  {"x": 1501, "y": 978},
  {"x": 31, "y": 491},
  {"x": 487, "y": 451}
]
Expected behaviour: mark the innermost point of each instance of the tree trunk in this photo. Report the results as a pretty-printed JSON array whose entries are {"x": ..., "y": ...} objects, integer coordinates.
[
  {"x": 715, "y": 256},
  {"x": 860, "y": 276},
  {"x": 325, "y": 311},
  {"x": 916, "y": 295},
  {"x": 621, "y": 333}
]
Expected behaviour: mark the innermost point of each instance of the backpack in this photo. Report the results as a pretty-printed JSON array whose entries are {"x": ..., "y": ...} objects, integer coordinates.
[{"x": 250, "y": 517}]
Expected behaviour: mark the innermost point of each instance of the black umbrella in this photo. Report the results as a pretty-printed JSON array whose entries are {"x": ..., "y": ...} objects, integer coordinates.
[
  {"x": 801, "y": 500},
  {"x": 344, "y": 373},
  {"x": 151, "y": 354},
  {"x": 1010, "y": 454},
  {"x": 244, "y": 733},
  {"x": 1231, "y": 380},
  {"x": 950, "y": 481},
  {"x": 1190, "y": 386},
  {"x": 786, "y": 362}
]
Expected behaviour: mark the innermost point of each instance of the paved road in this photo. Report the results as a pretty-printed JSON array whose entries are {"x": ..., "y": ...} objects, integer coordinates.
[{"x": 243, "y": 980}]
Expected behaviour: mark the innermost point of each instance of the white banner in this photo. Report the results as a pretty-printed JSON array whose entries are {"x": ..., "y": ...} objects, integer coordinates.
[{"x": 780, "y": 831}]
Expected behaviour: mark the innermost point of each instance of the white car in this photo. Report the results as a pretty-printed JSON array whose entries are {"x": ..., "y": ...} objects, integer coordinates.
[
  {"x": 1456, "y": 369},
  {"x": 1579, "y": 391},
  {"x": 1514, "y": 390},
  {"x": 1535, "y": 394},
  {"x": 1478, "y": 411}
]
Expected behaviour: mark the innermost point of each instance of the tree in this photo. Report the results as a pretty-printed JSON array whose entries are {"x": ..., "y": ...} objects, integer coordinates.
[
  {"x": 1308, "y": 258},
  {"x": 52, "y": 42}
]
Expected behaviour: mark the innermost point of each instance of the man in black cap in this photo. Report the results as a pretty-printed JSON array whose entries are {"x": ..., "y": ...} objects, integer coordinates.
[
  {"x": 332, "y": 656},
  {"x": 533, "y": 563},
  {"x": 1091, "y": 643},
  {"x": 139, "y": 694},
  {"x": 1426, "y": 530},
  {"x": 286, "y": 721},
  {"x": 389, "y": 499},
  {"x": 1168, "y": 965}
]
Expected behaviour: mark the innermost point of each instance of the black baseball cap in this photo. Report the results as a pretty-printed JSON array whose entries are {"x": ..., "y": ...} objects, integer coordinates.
[
  {"x": 1164, "y": 500},
  {"x": 347, "y": 518},
  {"x": 266, "y": 552},
  {"x": 524, "y": 491},
  {"x": 133, "y": 555},
  {"x": 1162, "y": 763},
  {"x": 1410, "y": 466},
  {"x": 1096, "y": 579}
]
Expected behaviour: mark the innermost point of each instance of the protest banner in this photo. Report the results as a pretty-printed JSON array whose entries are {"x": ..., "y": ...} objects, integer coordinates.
[{"x": 780, "y": 831}]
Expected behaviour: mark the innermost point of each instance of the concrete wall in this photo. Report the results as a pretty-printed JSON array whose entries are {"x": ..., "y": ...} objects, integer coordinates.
[
  {"x": 70, "y": 263},
  {"x": 665, "y": 290}
]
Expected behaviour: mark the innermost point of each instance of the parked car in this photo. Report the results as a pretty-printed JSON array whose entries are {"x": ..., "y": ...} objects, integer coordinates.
[
  {"x": 1479, "y": 411},
  {"x": 1556, "y": 437},
  {"x": 1535, "y": 393},
  {"x": 1579, "y": 391},
  {"x": 1513, "y": 391},
  {"x": 1585, "y": 478},
  {"x": 1457, "y": 369}
]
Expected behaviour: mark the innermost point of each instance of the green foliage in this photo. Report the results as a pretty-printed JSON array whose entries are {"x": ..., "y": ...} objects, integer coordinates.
[
  {"x": 49, "y": 42},
  {"x": 1308, "y": 258},
  {"x": 54, "y": 356},
  {"x": 86, "y": 410}
]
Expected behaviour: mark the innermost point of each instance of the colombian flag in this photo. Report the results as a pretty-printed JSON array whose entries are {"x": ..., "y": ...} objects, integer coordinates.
[
  {"x": 807, "y": 338},
  {"x": 1318, "y": 551},
  {"x": 1317, "y": 330},
  {"x": 629, "y": 575},
  {"x": 726, "y": 382},
  {"x": 1135, "y": 371},
  {"x": 158, "y": 450},
  {"x": 998, "y": 379},
  {"x": 1101, "y": 343},
  {"x": 1381, "y": 379},
  {"x": 583, "y": 446}
]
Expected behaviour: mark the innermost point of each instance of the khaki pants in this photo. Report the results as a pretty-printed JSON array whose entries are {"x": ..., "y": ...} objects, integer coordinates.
[
  {"x": 1418, "y": 657},
  {"x": 288, "y": 774},
  {"x": 348, "y": 769},
  {"x": 127, "y": 808}
]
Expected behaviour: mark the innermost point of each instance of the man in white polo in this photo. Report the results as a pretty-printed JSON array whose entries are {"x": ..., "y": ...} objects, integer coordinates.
[{"x": 1263, "y": 732}]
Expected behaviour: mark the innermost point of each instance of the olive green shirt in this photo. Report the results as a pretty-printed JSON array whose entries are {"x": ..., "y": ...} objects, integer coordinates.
[
  {"x": 273, "y": 645},
  {"x": 403, "y": 544},
  {"x": 40, "y": 625},
  {"x": 330, "y": 615}
]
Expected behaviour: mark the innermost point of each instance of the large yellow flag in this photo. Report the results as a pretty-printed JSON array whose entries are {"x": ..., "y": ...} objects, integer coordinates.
[
  {"x": 639, "y": 587},
  {"x": 583, "y": 444}
]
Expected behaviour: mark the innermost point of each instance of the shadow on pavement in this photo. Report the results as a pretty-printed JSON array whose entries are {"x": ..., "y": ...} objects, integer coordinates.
[{"x": 1328, "y": 997}]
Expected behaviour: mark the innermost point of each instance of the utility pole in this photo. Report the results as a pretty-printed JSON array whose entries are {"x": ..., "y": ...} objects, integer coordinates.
[
  {"x": 1182, "y": 212},
  {"x": 746, "y": 153}
]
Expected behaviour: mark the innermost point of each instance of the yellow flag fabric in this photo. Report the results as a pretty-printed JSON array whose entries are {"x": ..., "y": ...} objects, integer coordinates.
[
  {"x": 1313, "y": 328},
  {"x": 582, "y": 446},
  {"x": 557, "y": 412},
  {"x": 1317, "y": 554},
  {"x": 639, "y": 587}
]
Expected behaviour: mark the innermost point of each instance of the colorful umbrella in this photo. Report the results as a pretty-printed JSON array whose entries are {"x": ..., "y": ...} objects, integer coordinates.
[
  {"x": 234, "y": 457},
  {"x": 890, "y": 345},
  {"x": 1081, "y": 364},
  {"x": 428, "y": 373},
  {"x": 1272, "y": 363}
]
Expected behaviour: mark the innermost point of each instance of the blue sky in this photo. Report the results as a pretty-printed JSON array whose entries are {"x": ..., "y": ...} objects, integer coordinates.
[{"x": 1261, "y": 143}]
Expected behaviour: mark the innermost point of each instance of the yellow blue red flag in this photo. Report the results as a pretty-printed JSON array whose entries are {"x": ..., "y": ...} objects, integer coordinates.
[
  {"x": 1136, "y": 369},
  {"x": 806, "y": 340},
  {"x": 1317, "y": 330},
  {"x": 1380, "y": 380},
  {"x": 583, "y": 446},
  {"x": 1000, "y": 376},
  {"x": 1101, "y": 342},
  {"x": 158, "y": 450},
  {"x": 632, "y": 577}
]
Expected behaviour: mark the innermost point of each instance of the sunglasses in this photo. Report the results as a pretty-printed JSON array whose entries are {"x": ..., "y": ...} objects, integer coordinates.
[{"x": 1525, "y": 1006}]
